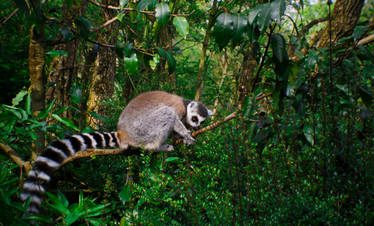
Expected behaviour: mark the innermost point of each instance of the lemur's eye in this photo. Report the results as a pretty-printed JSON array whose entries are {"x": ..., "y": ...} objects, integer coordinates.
[{"x": 194, "y": 119}]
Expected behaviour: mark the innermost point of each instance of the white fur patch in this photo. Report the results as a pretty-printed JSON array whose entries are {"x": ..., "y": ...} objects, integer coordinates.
[
  {"x": 102, "y": 138},
  {"x": 47, "y": 161},
  {"x": 93, "y": 141},
  {"x": 29, "y": 186},
  {"x": 81, "y": 140},
  {"x": 60, "y": 152},
  {"x": 69, "y": 146},
  {"x": 39, "y": 174}
]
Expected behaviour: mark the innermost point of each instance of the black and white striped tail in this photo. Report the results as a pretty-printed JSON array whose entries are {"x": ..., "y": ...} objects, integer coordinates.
[{"x": 53, "y": 156}]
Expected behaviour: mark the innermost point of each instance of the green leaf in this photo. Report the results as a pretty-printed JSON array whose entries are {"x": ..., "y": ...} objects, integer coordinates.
[
  {"x": 131, "y": 64},
  {"x": 239, "y": 28},
  {"x": 169, "y": 58},
  {"x": 264, "y": 17},
  {"x": 76, "y": 211},
  {"x": 28, "y": 104},
  {"x": 278, "y": 45},
  {"x": 162, "y": 14},
  {"x": 359, "y": 31},
  {"x": 57, "y": 204},
  {"x": 277, "y": 10},
  {"x": 123, "y": 3},
  {"x": 125, "y": 194},
  {"x": 366, "y": 95},
  {"x": 19, "y": 97},
  {"x": 308, "y": 133},
  {"x": 223, "y": 29},
  {"x": 57, "y": 53},
  {"x": 147, "y": 4},
  {"x": 67, "y": 122},
  {"x": 181, "y": 25},
  {"x": 253, "y": 14},
  {"x": 98, "y": 210},
  {"x": 155, "y": 60},
  {"x": 18, "y": 112},
  {"x": 171, "y": 159}
]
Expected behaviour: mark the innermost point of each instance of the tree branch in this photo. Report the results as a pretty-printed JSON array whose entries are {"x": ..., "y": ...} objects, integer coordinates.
[
  {"x": 13, "y": 156},
  {"x": 312, "y": 23},
  {"x": 366, "y": 40},
  {"x": 96, "y": 152}
]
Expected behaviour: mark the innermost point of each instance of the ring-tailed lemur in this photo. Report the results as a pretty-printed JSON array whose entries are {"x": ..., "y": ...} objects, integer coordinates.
[{"x": 146, "y": 122}]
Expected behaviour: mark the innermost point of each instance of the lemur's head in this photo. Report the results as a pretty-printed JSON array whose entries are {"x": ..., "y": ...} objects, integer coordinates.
[{"x": 196, "y": 114}]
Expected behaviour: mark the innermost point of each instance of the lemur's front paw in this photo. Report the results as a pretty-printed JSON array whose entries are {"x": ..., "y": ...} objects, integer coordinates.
[
  {"x": 188, "y": 140},
  {"x": 170, "y": 148}
]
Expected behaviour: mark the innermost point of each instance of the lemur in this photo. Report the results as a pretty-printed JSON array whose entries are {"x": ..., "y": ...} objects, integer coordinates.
[{"x": 146, "y": 122}]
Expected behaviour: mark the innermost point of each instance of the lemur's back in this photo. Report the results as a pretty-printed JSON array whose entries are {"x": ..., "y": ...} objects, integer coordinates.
[{"x": 149, "y": 101}]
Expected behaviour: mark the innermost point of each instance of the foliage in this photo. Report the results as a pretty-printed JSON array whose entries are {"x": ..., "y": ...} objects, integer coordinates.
[{"x": 300, "y": 151}]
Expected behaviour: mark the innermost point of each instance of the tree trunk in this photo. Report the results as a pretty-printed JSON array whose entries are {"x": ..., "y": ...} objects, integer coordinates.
[
  {"x": 344, "y": 19},
  {"x": 102, "y": 80},
  {"x": 65, "y": 68},
  {"x": 36, "y": 67},
  {"x": 246, "y": 76},
  {"x": 200, "y": 74}
]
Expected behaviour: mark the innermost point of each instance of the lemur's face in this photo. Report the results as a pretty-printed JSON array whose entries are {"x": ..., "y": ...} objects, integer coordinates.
[{"x": 197, "y": 113}]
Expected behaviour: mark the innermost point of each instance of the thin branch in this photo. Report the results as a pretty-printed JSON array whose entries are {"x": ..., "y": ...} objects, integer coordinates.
[
  {"x": 366, "y": 40},
  {"x": 9, "y": 16},
  {"x": 133, "y": 10},
  {"x": 210, "y": 127},
  {"x": 104, "y": 24},
  {"x": 262, "y": 62},
  {"x": 312, "y": 23}
]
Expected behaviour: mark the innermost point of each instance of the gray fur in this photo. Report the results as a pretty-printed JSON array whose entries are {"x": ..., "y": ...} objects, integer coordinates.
[{"x": 149, "y": 119}]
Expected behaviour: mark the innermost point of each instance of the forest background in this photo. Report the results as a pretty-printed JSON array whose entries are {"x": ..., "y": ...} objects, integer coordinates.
[{"x": 294, "y": 77}]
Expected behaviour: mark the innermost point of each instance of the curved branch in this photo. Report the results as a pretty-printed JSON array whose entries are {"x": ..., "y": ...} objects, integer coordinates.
[
  {"x": 13, "y": 156},
  {"x": 366, "y": 40},
  {"x": 314, "y": 22}
]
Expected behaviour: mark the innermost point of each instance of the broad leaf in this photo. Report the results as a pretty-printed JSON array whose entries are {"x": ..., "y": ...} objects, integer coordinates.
[
  {"x": 181, "y": 25},
  {"x": 125, "y": 194},
  {"x": 169, "y": 58},
  {"x": 147, "y": 4},
  {"x": 162, "y": 14},
  {"x": 239, "y": 27},
  {"x": 131, "y": 64},
  {"x": 278, "y": 45},
  {"x": 277, "y": 10},
  {"x": 123, "y": 3},
  {"x": 223, "y": 29},
  {"x": 19, "y": 97}
]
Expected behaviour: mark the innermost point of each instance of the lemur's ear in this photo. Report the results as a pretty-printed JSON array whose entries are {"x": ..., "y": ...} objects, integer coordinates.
[{"x": 210, "y": 113}]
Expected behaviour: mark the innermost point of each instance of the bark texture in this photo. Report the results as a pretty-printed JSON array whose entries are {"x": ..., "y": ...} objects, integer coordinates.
[
  {"x": 36, "y": 68},
  {"x": 102, "y": 80},
  {"x": 344, "y": 19},
  {"x": 64, "y": 68},
  {"x": 200, "y": 74},
  {"x": 247, "y": 74}
]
